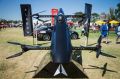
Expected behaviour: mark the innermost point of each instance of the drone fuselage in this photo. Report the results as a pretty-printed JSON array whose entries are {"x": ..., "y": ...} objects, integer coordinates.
[{"x": 61, "y": 42}]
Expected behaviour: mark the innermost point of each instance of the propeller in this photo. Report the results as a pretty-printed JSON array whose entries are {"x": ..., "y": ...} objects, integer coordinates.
[
  {"x": 15, "y": 43},
  {"x": 23, "y": 47},
  {"x": 98, "y": 50},
  {"x": 42, "y": 11},
  {"x": 36, "y": 16},
  {"x": 42, "y": 20},
  {"x": 15, "y": 55},
  {"x": 99, "y": 40},
  {"x": 38, "y": 13}
]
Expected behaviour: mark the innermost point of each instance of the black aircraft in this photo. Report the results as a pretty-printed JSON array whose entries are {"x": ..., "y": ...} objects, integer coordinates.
[{"x": 61, "y": 47}]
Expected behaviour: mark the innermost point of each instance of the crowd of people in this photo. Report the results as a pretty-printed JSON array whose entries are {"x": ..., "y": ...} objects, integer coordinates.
[
  {"x": 4, "y": 26},
  {"x": 104, "y": 30}
]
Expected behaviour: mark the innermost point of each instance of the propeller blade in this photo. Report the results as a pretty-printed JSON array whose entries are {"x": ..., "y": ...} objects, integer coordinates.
[
  {"x": 35, "y": 15},
  {"x": 98, "y": 51},
  {"x": 40, "y": 20},
  {"x": 38, "y": 13},
  {"x": 99, "y": 40},
  {"x": 42, "y": 11},
  {"x": 15, "y": 43},
  {"x": 24, "y": 49},
  {"x": 15, "y": 55}
]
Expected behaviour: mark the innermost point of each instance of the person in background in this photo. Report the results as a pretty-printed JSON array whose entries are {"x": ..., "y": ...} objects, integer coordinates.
[
  {"x": 117, "y": 30},
  {"x": 93, "y": 27},
  {"x": 109, "y": 27},
  {"x": 84, "y": 28},
  {"x": 82, "y": 31},
  {"x": 104, "y": 32}
]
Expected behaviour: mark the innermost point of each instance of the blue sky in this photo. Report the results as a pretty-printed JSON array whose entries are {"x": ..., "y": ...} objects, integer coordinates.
[{"x": 10, "y": 9}]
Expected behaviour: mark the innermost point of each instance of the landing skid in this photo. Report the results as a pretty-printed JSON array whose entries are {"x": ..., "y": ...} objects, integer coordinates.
[{"x": 52, "y": 70}]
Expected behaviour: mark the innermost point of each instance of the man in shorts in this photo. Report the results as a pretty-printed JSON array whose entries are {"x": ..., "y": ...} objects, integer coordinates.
[{"x": 104, "y": 32}]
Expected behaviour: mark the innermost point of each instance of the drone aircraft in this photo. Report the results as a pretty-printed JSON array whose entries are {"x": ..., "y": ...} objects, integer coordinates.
[{"x": 61, "y": 47}]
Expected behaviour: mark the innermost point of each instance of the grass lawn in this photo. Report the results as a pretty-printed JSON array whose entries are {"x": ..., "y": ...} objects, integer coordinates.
[{"x": 15, "y": 68}]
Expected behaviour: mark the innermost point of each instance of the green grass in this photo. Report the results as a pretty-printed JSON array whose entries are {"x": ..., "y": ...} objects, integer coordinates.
[{"x": 16, "y": 34}]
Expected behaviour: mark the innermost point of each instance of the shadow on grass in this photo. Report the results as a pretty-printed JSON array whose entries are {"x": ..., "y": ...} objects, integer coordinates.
[
  {"x": 104, "y": 68},
  {"x": 107, "y": 55}
]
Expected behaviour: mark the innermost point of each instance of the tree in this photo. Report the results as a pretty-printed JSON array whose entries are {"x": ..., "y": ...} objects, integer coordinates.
[
  {"x": 103, "y": 16},
  {"x": 78, "y": 13},
  {"x": 10, "y": 21},
  {"x": 117, "y": 12},
  {"x": 94, "y": 17},
  {"x": 77, "y": 19},
  {"x": 3, "y": 21},
  {"x": 112, "y": 14}
]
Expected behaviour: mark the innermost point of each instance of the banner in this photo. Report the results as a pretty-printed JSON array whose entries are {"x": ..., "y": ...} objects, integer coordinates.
[
  {"x": 53, "y": 12},
  {"x": 27, "y": 19}
]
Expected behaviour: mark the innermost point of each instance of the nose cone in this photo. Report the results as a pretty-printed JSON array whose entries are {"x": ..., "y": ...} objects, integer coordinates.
[
  {"x": 60, "y": 17},
  {"x": 61, "y": 11}
]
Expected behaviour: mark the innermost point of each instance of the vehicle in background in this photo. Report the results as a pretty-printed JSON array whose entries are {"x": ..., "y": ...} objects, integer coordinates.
[{"x": 45, "y": 33}]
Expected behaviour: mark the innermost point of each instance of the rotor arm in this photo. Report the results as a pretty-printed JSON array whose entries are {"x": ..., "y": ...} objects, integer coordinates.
[
  {"x": 76, "y": 16},
  {"x": 96, "y": 48},
  {"x": 29, "y": 47},
  {"x": 84, "y": 48},
  {"x": 26, "y": 48},
  {"x": 37, "y": 16}
]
